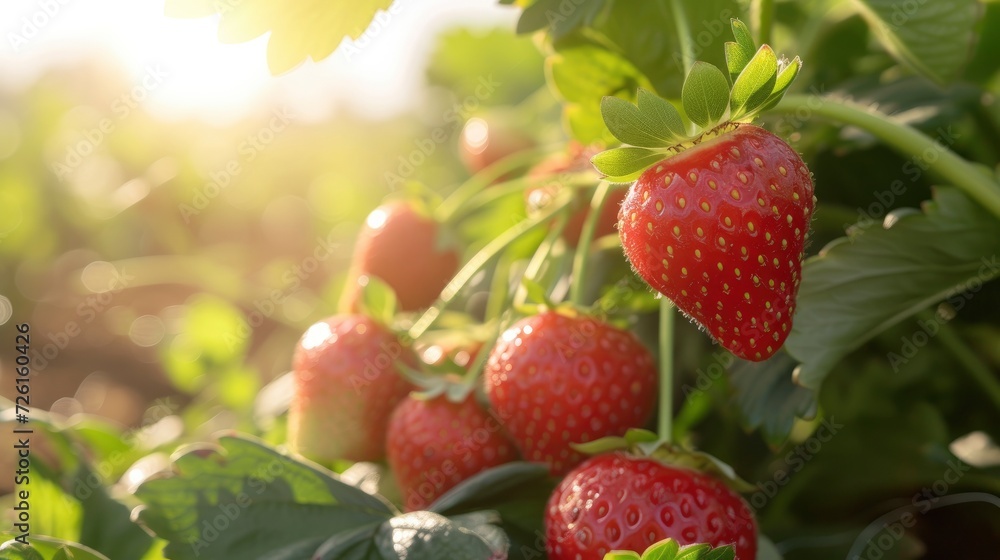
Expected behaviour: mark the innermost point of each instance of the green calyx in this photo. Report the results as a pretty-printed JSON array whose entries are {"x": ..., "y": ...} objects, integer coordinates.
[
  {"x": 644, "y": 443},
  {"x": 654, "y": 129},
  {"x": 670, "y": 549}
]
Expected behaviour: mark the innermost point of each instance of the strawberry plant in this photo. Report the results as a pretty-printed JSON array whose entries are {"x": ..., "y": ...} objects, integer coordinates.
[{"x": 494, "y": 367}]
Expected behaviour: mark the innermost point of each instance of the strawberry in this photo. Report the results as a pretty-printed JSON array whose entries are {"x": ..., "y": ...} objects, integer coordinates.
[
  {"x": 346, "y": 386},
  {"x": 484, "y": 141},
  {"x": 617, "y": 501},
  {"x": 435, "y": 444},
  {"x": 720, "y": 229},
  {"x": 547, "y": 183},
  {"x": 554, "y": 380},
  {"x": 405, "y": 249}
]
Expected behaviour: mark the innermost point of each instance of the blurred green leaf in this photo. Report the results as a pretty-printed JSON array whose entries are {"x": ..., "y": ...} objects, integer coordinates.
[
  {"x": 858, "y": 286},
  {"x": 300, "y": 30},
  {"x": 583, "y": 74},
  {"x": 47, "y": 548},
  {"x": 424, "y": 535},
  {"x": 378, "y": 300},
  {"x": 494, "y": 67},
  {"x": 560, "y": 16},
  {"x": 934, "y": 38}
]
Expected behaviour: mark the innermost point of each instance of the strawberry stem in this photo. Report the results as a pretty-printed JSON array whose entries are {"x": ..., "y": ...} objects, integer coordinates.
[
  {"x": 540, "y": 257},
  {"x": 666, "y": 370},
  {"x": 586, "y": 237},
  {"x": 762, "y": 18},
  {"x": 495, "y": 192},
  {"x": 455, "y": 202},
  {"x": 481, "y": 259},
  {"x": 683, "y": 34},
  {"x": 976, "y": 183},
  {"x": 979, "y": 371}
]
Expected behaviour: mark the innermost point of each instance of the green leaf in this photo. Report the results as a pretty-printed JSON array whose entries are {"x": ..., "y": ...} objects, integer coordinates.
[
  {"x": 560, "y": 16},
  {"x": 378, "y": 300},
  {"x": 14, "y": 550},
  {"x": 755, "y": 83},
  {"x": 705, "y": 94},
  {"x": 271, "y": 501},
  {"x": 766, "y": 549},
  {"x": 768, "y": 399},
  {"x": 627, "y": 123},
  {"x": 48, "y": 548},
  {"x": 934, "y": 38},
  {"x": 743, "y": 36},
  {"x": 739, "y": 54},
  {"x": 785, "y": 78},
  {"x": 583, "y": 74},
  {"x": 299, "y": 29},
  {"x": 669, "y": 549},
  {"x": 536, "y": 292},
  {"x": 625, "y": 162},
  {"x": 518, "y": 492},
  {"x": 861, "y": 285},
  {"x": 661, "y": 115},
  {"x": 425, "y": 535}
]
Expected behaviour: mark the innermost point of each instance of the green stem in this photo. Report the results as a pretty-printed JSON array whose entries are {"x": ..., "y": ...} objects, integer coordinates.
[
  {"x": 683, "y": 34},
  {"x": 540, "y": 257},
  {"x": 980, "y": 372},
  {"x": 905, "y": 139},
  {"x": 481, "y": 259},
  {"x": 475, "y": 184},
  {"x": 667, "y": 314},
  {"x": 762, "y": 18},
  {"x": 583, "y": 245},
  {"x": 489, "y": 196}
]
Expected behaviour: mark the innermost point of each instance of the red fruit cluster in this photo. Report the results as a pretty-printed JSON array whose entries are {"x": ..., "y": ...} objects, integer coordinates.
[
  {"x": 435, "y": 444},
  {"x": 620, "y": 502},
  {"x": 346, "y": 386},
  {"x": 720, "y": 229},
  {"x": 554, "y": 380},
  {"x": 405, "y": 249}
]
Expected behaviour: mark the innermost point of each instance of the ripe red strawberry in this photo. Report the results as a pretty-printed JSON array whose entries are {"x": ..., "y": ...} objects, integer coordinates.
[
  {"x": 554, "y": 380},
  {"x": 622, "y": 502},
  {"x": 548, "y": 178},
  {"x": 405, "y": 249},
  {"x": 720, "y": 229},
  {"x": 346, "y": 386},
  {"x": 435, "y": 444}
]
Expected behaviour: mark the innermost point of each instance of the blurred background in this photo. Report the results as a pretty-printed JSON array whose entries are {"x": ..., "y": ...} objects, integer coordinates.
[{"x": 172, "y": 217}]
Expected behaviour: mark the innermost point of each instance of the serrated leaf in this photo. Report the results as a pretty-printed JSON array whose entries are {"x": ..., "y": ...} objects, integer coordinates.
[
  {"x": 661, "y": 114},
  {"x": 583, "y": 74},
  {"x": 627, "y": 123},
  {"x": 859, "y": 286},
  {"x": 767, "y": 397},
  {"x": 669, "y": 549},
  {"x": 272, "y": 502},
  {"x": 755, "y": 83},
  {"x": 425, "y": 535},
  {"x": 705, "y": 94},
  {"x": 621, "y": 162},
  {"x": 934, "y": 38},
  {"x": 299, "y": 30}
]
